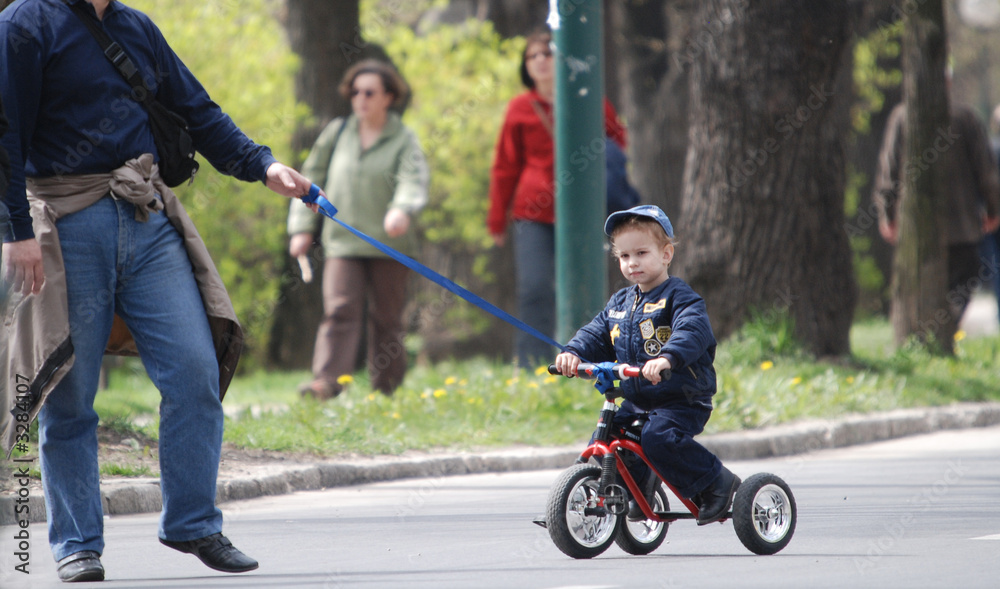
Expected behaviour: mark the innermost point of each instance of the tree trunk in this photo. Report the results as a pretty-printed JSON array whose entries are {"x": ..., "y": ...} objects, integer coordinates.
[
  {"x": 648, "y": 82},
  {"x": 919, "y": 305},
  {"x": 763, "y": 197},
  {"x": 326, "y": 36},
  {"x": 514, "y": 17}
]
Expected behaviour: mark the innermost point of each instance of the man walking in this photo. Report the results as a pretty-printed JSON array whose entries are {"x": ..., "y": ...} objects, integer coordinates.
[{"x": 95, "y": 236}]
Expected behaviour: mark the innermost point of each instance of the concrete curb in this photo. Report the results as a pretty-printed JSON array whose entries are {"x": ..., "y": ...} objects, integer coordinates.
[{"x": 121, "y": 497}]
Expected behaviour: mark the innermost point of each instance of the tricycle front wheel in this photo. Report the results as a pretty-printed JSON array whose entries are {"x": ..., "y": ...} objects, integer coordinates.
[{"x": 577, "y": 522}]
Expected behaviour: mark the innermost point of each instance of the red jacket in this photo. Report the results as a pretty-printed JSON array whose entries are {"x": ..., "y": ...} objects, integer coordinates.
[{"x": 522, "y": 179}]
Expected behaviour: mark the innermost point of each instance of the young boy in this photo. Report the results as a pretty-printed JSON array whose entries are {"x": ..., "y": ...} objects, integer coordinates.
[{"x": 659, "y": 323}]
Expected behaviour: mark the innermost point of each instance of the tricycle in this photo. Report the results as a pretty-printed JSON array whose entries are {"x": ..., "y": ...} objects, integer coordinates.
[{"x": 588, "y": 505}]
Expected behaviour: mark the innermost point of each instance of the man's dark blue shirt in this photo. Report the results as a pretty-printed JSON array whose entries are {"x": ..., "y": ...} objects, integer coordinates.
[
  {"x": 72, "y": 113},
  {"x": 4, "y": 172}
]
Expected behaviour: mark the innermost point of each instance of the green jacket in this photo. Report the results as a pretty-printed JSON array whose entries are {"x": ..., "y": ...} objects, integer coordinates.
[{"x": 363, "y": 186}]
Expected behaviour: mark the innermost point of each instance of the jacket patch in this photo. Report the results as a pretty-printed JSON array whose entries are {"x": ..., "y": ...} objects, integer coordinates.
[
  {"x": 646, "y": 329},
  {"x": 650, "y": 307},
  {"x": 616, "y": 314},
  {"x": 663, "y": 334},
  {"x": 615, "y": 333},
  {"x": 652, "y": 347}
]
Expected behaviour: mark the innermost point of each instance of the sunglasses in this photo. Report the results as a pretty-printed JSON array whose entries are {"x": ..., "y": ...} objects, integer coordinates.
[{"x": 368, "y": 93}]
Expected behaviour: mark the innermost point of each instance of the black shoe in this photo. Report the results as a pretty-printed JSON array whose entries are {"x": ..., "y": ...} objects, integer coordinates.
[
  {"x": 81, "y": 567},
  {"x": 635, "y": 513},
  {"x": 217, "y": 552},
  {"x": 714, "y": 501}
]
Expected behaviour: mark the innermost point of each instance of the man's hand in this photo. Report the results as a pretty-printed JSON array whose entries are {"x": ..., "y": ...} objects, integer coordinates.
[
  {"x": 651, "y": 370},
  {"x": 23, "y": 263},
  {"x": 567, "y": 364},
  {"x": 288, "y": 182}
]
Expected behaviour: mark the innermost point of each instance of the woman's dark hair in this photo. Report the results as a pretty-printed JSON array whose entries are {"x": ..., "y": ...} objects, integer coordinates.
[
  {"x": 391, "y": 80},
  {"x": 541, "y": 36}
]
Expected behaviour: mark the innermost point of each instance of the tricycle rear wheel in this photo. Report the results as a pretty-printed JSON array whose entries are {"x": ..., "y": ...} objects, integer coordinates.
[
  {"x": 644, "y": 536},
  {"x": 764, "y": 513}
]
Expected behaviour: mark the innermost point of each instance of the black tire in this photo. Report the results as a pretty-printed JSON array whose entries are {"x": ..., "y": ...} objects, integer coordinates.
[
  {"x": 644, "y": 536},
  {"x": 576, "y": 534},
  {"x": 764, "y": 514}
]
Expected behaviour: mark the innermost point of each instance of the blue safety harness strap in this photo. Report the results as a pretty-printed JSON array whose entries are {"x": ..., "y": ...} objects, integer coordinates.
[{"x": 331, "y": 211}]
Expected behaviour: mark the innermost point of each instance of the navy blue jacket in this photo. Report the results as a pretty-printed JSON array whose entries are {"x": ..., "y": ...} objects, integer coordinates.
[
  {"x": 635, "y": 327},
  {"x": 71, "y": 112}
]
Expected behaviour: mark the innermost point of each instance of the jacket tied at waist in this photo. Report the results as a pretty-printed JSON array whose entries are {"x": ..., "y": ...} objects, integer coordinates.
[{"x": 36, "y": 349}]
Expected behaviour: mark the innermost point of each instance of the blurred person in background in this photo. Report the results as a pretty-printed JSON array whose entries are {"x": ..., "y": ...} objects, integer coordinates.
[
  {"x": 522, "y": 194},
  {"x": 374, "y": 172}
]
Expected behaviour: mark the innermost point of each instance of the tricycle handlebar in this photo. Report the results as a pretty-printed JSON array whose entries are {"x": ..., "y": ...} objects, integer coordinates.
[{"x": 587, "y": 370}]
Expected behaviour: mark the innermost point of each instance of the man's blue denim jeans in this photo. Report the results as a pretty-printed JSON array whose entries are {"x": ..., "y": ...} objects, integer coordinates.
[{"x": 141, "y": 271}]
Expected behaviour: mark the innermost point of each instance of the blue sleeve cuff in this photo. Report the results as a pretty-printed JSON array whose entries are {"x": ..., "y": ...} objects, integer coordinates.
[
  {"x": 675, "y": 362},
  {"x": 266, "y": 162},
  {"x": 18, "y": 230}
]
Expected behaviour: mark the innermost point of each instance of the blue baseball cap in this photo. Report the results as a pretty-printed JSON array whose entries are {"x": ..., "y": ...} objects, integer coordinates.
[{"x": 651, "y": 211}]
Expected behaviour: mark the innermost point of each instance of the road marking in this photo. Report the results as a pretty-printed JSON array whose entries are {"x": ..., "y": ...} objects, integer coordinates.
[{"x": 993, "y": 537}]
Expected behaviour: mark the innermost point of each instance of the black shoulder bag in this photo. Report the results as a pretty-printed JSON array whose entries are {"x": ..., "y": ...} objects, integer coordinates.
[{"x": 170, "y": 130}]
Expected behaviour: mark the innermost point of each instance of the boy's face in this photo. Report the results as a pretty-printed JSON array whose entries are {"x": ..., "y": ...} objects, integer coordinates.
[{"x": 642, "y": 258}]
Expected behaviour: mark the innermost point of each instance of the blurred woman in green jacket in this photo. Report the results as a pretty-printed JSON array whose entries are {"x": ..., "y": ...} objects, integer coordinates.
[{"x": 372, "y": 168}]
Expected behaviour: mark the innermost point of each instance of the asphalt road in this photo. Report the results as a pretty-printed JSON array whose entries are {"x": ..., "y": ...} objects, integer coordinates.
[{"x": 914, "y": 512}]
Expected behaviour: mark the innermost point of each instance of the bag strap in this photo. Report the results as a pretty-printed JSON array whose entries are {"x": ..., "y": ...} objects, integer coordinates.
[
  {"x": 336, "y": 138},
  {"x": 116, "y": 55}
]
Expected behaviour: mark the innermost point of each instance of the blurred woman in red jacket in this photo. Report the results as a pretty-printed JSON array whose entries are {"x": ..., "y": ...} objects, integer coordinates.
[{"x": 522, "y": 190}]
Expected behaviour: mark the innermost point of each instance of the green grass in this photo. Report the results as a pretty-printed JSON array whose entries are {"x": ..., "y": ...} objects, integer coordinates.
[
  {"x": 124, "y": 470},
  {"x": 764, "y": 379}
]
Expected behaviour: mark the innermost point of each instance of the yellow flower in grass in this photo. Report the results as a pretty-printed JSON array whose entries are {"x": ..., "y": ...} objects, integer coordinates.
[
  {"x": 543, "y": 369},
  {"x": 345, "y": 379},
  {"x": 440, "y": 393},
  {"x": 797, "y": 380},
  {"x": 766, "y": 365},
  {"x": 425, "y": 395},
  {"x": 395, "y": 415},
  {"x": 550, "y": 380},
  {"x": 532, "y": 385},
  {"x": 959, "y": 335},
  {"x": 371, "y": 397},
  {"x": 450, "y": 380},
  {"x": 850, "y": 380}
]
